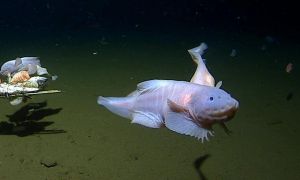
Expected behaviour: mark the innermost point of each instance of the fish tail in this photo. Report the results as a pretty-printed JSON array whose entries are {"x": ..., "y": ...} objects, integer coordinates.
[
  {"x": 117, "y": 105},
  {"x": 197, "y": 52}
]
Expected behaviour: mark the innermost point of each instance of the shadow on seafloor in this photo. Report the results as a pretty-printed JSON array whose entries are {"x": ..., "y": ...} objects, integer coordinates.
[
  {"x": 198, "y": 163},
  {"x": 27, "y": 120}
]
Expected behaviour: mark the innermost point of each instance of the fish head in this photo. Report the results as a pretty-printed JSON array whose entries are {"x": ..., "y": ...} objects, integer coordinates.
[{"x": 213, "y": 105}]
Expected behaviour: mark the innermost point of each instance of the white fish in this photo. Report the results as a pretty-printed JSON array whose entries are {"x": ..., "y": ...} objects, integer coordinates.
[
  {"x": 24, "y": 63},
  {"x": 189, "y": 108},
  {"x": 183, "y": 107}
]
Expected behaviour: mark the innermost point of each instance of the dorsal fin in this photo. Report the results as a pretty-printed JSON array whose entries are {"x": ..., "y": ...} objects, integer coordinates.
[
  {"x": 219, "y": 84},
  {"x": 18, "y": 61},
  {"x": 152, "y": 85}
]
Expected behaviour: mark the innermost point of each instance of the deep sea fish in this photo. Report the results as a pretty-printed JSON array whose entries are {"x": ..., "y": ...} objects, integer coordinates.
[
  {"x": 189, "y": 108},
  {"x": 25, "y": 63}
]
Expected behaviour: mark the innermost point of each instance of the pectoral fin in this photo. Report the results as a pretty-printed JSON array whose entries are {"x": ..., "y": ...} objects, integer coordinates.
[
  {"x": 182, "y": 124},
  {"x": 176, "y": 107}
]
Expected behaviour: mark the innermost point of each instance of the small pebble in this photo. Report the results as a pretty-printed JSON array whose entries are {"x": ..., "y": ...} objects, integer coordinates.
[{"x": 48, "y": 162}]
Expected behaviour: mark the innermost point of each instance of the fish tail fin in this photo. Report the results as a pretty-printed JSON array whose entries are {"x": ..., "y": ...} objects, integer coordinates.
[
  {"x": 197, "y": 52},
  {"x": 117, "y": 105},
  {"x": 202, "y": 75}
]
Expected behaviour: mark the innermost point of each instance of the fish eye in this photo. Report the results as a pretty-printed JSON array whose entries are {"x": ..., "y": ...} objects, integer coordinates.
[{"x": 211, "y": 98}]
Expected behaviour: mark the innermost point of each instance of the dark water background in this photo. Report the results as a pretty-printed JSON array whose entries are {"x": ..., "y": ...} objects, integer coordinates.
[{"x": 107, "y": 47}]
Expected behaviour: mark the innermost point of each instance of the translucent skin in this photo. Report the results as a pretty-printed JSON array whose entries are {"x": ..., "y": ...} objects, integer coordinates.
[
  {"x": 184, "y": 107},
  {"x": 205, "y": 104},
  {"x": 189, "y": 108}
]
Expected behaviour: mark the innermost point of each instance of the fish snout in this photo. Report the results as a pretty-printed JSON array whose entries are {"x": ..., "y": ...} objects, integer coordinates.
[
  {"x": 235, "y": 104},
  {"x": 231, "y": 103},
  {"x": 233, "y": 107}
]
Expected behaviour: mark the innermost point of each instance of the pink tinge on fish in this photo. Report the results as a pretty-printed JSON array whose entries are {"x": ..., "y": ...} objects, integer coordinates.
[
  {"x": 186, "y": 99},
  {"x": 184, "y": 107},
  {"x": 189, "y": 108}
]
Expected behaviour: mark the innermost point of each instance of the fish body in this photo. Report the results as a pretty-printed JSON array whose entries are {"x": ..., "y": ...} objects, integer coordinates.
[
  {"x": 20, "y": 64},
  {"x": 189, "y": 108},
  {"x": 181, "y": 106}
]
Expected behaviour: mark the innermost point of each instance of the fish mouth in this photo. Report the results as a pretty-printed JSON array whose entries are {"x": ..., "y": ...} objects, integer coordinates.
[
  {"x": 226, "y": 113},
  {"x": 236, "y": 104},
  {"x": 230, "y": 113},
  {"x": 221, "y": 116}
]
